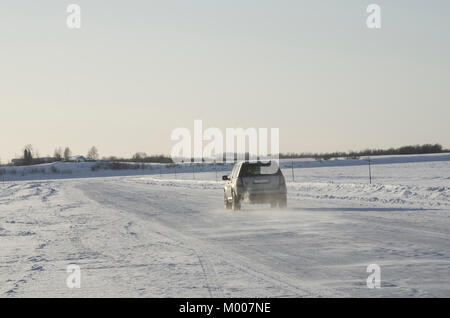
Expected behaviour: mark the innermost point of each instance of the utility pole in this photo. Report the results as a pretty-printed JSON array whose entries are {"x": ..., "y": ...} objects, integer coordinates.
[{"x": 292, "y": 168}]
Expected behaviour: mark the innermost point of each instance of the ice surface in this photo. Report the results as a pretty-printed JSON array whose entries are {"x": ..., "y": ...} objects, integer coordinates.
[{"x": 152, "y": 235}]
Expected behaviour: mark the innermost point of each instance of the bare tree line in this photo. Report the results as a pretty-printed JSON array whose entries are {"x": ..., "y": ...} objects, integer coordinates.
[
  {"x": 31, "y": 156},
  {"x": 405, "y": 150}
]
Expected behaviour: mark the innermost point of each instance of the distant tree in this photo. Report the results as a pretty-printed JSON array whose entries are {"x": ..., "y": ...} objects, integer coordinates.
[
  {"x": 28, "y": 155},
  {"x": 139, "y": 157},
  {"x": 67, "y": 154},
  {"x": 58, "y": 154},
  {"x": 93, "y": 153}
]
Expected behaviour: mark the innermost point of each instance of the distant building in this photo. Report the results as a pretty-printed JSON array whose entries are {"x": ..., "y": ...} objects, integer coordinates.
[
  {"x": 35, "y": 161},
  {"x": 77, "y": 159},
  {"x": 46, "y": 159},
  {"x": 17, "y": 162},
  {"x": 80, "y": 159}
]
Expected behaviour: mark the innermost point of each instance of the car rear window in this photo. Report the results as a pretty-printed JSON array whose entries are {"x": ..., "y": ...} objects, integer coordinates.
[{"x": 258, "y": 169}]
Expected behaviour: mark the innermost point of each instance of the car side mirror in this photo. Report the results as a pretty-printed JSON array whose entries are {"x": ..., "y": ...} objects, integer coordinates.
[{"x": 225, "y": 178}]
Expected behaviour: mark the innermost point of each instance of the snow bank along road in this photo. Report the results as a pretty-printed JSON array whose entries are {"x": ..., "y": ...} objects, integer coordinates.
[{"x": 150, "y": 236}]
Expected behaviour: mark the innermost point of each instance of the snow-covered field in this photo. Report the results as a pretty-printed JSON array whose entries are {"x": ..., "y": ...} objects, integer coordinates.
[{"x": 154, "y": 233}]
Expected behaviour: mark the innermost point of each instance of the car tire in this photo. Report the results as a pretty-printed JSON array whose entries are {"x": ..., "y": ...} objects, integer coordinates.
[
  {"x": 235, "y": 204},
  {"x": 227, "y": 204},
  {"x": 283, "y": 203}
]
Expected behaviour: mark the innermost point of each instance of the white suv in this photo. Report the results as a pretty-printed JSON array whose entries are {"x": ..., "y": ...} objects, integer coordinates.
[{"x": 255, "y": 182}]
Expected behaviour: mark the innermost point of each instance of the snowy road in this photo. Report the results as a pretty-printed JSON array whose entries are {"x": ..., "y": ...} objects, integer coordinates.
[{"x": 151, "y": 237}]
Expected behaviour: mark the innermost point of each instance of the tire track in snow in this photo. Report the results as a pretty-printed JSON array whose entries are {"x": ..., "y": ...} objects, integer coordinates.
[{"x": 205, "y": 252}]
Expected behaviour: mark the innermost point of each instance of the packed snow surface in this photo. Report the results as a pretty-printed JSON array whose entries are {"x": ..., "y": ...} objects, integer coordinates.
[{"x": 160, "y": 233}]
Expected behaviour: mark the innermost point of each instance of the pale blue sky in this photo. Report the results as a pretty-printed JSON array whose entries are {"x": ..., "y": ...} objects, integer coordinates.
[{"x": 138, "y": 69}]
